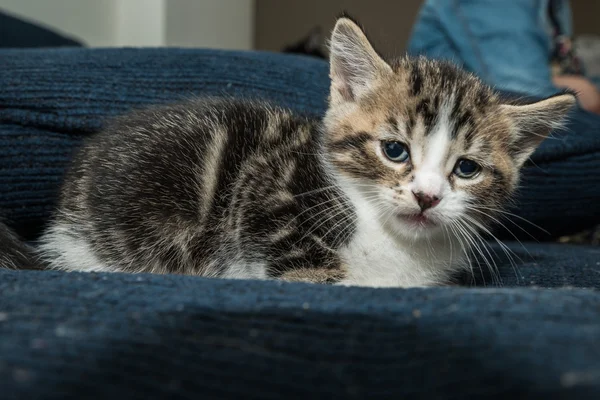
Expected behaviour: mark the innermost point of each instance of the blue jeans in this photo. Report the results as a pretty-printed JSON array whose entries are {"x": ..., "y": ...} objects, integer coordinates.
[{"x": 507, "y": 43}]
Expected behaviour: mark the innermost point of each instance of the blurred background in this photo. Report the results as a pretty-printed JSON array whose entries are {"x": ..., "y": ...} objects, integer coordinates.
[{"x": 234, "y": 24}]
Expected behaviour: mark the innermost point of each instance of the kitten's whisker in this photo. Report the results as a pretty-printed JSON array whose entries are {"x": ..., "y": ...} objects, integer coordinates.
[
  {"x": 500, "y": 215},
  {"x": 460, "y": 234},
  {"x": 469, "y": 237},
  {"x": 343, "y": 221},
  {"x": 374, "y": 245},
  {"x": 306, "y": 154},
  {"x": 447, "y": 235},
  {"x": 502, "y": 225},
  {"x": 515, "y": 216},
  {"x": 471, "y": 255},
  {"x": 505, "y": 227},
  {"x": 335, "y": 242},
  {"x": 380, "y": 207},
  {"x": 487, "y": 248},
  {"x": 507, "y": 251},
  {"x": 464, "y": 249},
  {"x": 315, "y": 227},
  {"x": 315, "y": 191},
  {"x": 487, "y": 231},
  {"x": 326, "y": 209},
  {"x": 319, "y": 224}
]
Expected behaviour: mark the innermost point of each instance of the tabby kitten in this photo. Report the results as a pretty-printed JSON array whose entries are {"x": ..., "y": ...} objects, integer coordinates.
[{"x": 411, "y": 156}]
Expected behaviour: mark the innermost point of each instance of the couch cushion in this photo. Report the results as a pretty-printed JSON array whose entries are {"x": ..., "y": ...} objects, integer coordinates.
[
  {"x": 76, "y": 336},
  {"x": 50, "y": 99}
]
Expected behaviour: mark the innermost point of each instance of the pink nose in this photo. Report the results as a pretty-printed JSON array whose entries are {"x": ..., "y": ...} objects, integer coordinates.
[{"x": 426, "y": 201}]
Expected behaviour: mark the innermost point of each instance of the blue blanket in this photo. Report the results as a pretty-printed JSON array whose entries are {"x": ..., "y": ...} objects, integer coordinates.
[{"x": 103, "y": 336}]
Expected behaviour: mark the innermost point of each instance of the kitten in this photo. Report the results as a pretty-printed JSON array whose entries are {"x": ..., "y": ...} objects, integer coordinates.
[{"x": 411, "y": 159}]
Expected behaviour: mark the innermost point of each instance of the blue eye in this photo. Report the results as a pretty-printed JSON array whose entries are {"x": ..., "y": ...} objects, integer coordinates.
[
  {"x": 395, "y": 151},
  {"x": 466, "y": 168}
]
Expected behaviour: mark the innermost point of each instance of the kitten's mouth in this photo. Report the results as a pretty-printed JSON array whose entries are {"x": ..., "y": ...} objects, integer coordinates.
[{"x": 419, "y": 220}]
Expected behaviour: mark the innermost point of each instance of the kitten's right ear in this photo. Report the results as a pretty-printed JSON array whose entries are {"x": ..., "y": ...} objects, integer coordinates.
[
  {"x": 534, "y": 122},
  {"x": 355, "y": 66}
]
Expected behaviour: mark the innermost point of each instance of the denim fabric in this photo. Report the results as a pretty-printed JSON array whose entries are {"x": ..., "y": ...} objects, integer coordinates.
[{"x": 506, "y": 43}]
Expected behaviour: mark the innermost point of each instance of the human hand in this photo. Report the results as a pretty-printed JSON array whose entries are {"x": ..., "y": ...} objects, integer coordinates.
[{"x": 587, "y": 93}]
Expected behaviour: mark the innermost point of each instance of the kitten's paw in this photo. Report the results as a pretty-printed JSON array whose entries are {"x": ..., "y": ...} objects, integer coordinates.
[{"x": 314, "y": 275}]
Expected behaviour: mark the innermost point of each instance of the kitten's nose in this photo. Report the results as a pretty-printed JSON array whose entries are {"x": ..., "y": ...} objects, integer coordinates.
[{"x": 426, "y": 201}]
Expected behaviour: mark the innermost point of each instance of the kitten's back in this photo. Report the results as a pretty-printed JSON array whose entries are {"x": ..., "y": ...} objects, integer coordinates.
[{"x": 167, "y": 189}]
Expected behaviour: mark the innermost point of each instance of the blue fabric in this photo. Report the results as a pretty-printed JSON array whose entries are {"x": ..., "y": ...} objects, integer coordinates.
[
  {"x": 536, "y": 265},
  {"x": 98, "y": 336},
  {"x": 50, "y": 99},
  {"x": 506, "y": 43}
]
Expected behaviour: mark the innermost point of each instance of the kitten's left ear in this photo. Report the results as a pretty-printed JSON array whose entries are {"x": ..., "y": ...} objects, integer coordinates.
[
  {"x": 534, "y": 122},
  {"x": 355, "y": 66}
]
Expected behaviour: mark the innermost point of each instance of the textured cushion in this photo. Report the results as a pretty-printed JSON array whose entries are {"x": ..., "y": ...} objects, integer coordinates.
[
  {"x": 50, "y": 99},
  {"x": 97, "y": 336}
]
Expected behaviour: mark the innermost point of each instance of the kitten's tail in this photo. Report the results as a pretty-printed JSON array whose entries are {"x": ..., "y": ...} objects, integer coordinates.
[{"x": 15, "y": 253}]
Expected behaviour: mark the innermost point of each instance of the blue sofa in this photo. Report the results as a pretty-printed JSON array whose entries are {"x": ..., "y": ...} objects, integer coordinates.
[{"x": 535, "y": 334}]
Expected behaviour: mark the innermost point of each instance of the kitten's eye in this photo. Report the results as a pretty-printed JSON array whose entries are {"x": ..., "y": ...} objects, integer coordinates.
[
  {"x": 466, "y": 168},
  {"x": 395, "y": 151}
]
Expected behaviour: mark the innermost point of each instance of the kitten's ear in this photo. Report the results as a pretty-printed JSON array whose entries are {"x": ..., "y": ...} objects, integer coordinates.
[
  {"x": 534, "y": 122},
  {"x": 355, "y": 67}
]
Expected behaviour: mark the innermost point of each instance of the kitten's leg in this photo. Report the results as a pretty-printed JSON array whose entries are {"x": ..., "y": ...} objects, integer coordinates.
[
  {"x": 314, "y": 275},
  {"x": 302, "y": 257}
]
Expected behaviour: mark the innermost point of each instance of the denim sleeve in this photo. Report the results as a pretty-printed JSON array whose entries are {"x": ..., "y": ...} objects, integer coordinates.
[{"x": 506, "y": 43}]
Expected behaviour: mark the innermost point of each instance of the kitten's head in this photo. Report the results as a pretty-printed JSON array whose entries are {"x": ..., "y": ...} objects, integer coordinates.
[{"x": 422, "y": 143}]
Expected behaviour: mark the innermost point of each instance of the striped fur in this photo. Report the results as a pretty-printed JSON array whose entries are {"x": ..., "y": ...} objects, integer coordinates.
[
  {"x": 241, "y": 189},
  {"x": 14, "y": 253}
]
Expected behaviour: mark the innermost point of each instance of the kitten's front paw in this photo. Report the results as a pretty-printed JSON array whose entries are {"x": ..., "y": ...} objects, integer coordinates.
[{"x": 314, "y": 275}]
